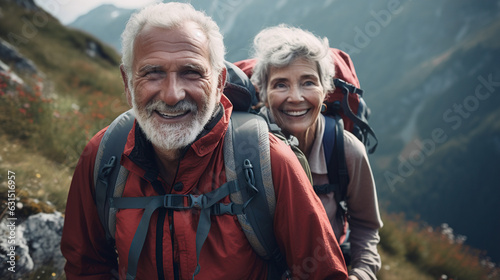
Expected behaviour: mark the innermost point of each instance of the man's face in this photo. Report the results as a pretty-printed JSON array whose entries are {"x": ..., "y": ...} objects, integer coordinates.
[{"x": 173, "y": 89}]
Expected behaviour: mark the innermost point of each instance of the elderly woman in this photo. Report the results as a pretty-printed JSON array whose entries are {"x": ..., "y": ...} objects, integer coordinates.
[{"x": 293, "y": 74}]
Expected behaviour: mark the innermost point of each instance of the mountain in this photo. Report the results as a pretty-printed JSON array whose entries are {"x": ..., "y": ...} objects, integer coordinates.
[
  {"x": 430, "y": 74},
  {"x": 105, "y": 22}
]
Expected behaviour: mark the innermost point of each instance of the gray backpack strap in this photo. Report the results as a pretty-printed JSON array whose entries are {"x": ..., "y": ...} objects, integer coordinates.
[
  {"x": 109, "y": 175},
  {"x": 247, "y": 160}
]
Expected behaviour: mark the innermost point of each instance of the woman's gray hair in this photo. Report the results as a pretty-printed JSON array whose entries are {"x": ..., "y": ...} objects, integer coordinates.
[
  {"x": 170, "y": 16},
  {"x": 279, "y": 46}
]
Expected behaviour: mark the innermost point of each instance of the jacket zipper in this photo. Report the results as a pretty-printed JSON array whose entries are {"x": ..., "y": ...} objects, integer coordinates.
[{"x": 160, "y": 230}]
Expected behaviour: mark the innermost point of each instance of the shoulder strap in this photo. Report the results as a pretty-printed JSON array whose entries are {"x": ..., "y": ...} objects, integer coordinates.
[
  {"x": 292, "y": 142},
  {"x": 247, "y": 155},
  {"x": 333, "y": 146},
  {"x": 337, "y": 169},
  {"x": 109, "y": 175},
  {"x": 329, "y": 138}
]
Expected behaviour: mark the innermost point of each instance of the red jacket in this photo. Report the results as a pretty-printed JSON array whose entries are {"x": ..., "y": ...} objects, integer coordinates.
[{"x": 301, "y": 226}]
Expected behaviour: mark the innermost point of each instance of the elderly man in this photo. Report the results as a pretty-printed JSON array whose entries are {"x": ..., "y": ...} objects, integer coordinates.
[{"x": 174, "y": 76}]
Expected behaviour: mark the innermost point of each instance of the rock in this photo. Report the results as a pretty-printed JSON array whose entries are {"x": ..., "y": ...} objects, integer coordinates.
[
  {"x": 37, "y": 244},
  {"x": 5, "y": 70},
  {"x": 11, "y": 56},
  {"x": 17, "y": 261},
  {"x": 42, "y": 233}
]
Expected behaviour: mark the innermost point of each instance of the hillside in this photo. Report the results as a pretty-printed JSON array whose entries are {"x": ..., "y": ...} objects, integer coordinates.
[
  {"x": 65, "y": 77},
  {"x": 58, "y": 88},
  {"x": 63, "y": 85}
]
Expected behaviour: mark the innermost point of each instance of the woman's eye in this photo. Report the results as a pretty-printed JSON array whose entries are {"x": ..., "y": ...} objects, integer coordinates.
[
  {"x": 280, "y": 85},
  {"x": 309, "y": 83}
]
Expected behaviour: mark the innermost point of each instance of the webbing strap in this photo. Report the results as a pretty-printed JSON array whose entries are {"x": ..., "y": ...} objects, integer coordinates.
[
  {"x": 326, "y": 188},
  {"x": 365, "y": 128},
  {"x": 329, "y": 138},
  {"x": 204, "y": 222},
  {"x": 139, "y": 237},
  {"x": 205, "y": 202}
]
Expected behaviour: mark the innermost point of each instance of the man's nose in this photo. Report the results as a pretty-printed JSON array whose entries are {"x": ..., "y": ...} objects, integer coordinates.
[{"x": 172, "y": 91}]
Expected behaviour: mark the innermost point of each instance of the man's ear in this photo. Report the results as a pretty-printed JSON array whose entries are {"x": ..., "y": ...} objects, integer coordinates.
[
  {"x": 222, "y": 80},
  {"x": 125, "y": 83}
]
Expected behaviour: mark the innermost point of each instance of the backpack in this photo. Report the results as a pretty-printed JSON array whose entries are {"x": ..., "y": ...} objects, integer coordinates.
[
  {"x": 345, "y": 109},
  {"x": 249, "y": 182}
]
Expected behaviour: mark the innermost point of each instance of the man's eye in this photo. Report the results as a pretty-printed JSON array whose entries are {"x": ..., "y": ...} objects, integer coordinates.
[
  {"x": 154, "y": 74},
  {"x": 191, "y": 74}
]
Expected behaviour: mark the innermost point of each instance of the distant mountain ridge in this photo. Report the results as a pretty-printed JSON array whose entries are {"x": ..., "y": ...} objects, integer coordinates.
[
  {"x": 106, "y": 22},
  {"x": 421, "y": 64}
]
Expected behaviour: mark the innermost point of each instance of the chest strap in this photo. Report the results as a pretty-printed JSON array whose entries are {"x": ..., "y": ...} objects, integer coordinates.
[{"x": 207, "y": 203}]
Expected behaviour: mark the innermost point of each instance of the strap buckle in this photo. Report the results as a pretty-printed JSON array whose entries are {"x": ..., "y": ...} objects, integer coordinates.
[
  {"x": 178, "y": 201},
  {"x": 197, "y": 201},
  {"x": 221, "y": 208},
  {"x": 175, "y": 201}
]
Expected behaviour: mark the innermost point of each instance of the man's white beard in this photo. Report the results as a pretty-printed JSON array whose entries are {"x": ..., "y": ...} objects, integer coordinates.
[{"x": 178, "y": 135}]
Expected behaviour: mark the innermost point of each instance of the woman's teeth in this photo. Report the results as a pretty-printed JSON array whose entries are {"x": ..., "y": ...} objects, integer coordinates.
[{"x": 295, "y": 113}]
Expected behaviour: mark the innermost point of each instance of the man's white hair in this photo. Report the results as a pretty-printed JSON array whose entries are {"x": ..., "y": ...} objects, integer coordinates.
[{"x": 170, "y": 16}]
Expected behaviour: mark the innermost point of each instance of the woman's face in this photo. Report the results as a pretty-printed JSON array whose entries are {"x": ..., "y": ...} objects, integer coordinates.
[{"x": 295, "y": 95}]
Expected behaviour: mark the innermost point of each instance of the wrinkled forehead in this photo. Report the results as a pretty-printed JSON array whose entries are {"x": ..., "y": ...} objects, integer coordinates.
[
  {"x": 187, "y": 32},
  {"x": 185, "y": 41}
]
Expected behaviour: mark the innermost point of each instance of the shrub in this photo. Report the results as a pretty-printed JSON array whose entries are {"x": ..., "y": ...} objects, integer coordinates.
[{"x": 436, "y": 251}]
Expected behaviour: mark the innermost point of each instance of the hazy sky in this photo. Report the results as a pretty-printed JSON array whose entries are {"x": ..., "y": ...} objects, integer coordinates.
[{"x": 68, "y": 10}]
